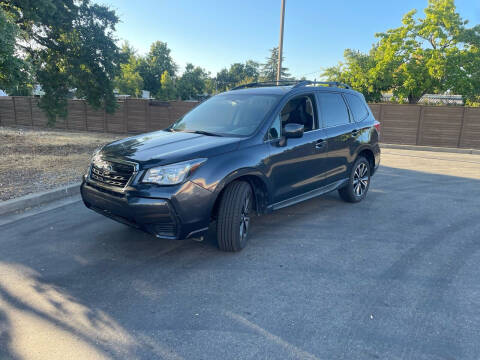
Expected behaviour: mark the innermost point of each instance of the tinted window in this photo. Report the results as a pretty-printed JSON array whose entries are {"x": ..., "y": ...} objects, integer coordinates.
[
  {"x": 230, "y": 114},
  {"x": 357, "y": 106},
  {"x": 299, "y": 110},
  {"x": 333, "y": 108}
]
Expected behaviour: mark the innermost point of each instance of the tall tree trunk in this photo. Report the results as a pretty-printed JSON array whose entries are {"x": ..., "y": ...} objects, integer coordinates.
[{"x": 412, "y": 99}]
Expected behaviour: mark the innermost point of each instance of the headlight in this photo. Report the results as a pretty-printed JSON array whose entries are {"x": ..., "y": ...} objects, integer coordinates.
[
  {"x": 95, "y": 154},
  {"x": 92, "y": 159},
  {"x": 171, "y": 174}
]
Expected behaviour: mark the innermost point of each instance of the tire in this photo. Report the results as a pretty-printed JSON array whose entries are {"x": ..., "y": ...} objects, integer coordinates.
[
  {"x": 358, "y": 182},
  {"x": 234, "y": 216}
]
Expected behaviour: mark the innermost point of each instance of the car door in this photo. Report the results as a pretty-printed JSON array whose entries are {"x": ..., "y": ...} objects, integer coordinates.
[
  {"x": 340, "y": 132},
  {"x": 294, "y": 165}
]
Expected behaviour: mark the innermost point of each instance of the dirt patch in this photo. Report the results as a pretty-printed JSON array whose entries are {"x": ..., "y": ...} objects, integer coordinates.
[{"x": 39, "y": 160}]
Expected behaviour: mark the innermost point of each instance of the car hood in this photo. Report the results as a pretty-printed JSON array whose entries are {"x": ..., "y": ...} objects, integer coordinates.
[{"x": 164, "y": 147}]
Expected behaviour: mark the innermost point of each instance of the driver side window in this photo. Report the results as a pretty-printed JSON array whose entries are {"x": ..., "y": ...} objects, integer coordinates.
[{"x": 299, "y": 110}]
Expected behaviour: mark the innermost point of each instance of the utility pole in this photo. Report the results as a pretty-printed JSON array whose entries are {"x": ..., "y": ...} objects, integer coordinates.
[{"x": 280, "y": 45}]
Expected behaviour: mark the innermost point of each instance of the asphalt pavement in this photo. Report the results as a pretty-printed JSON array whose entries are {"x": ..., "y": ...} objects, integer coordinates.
[{"x": 394, "y": 277}]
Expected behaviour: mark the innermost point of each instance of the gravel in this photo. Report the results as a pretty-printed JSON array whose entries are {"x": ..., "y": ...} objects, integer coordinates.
[{"x": 37, "y": 160}]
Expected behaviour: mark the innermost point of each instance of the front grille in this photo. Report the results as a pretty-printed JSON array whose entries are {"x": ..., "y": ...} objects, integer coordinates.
[{"x": 111, "y": 173}]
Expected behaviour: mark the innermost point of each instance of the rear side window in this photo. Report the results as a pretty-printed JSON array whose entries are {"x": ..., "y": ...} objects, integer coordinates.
[
  {"x": 357, "y": 106},
  {"x": 333, "y": 108}
]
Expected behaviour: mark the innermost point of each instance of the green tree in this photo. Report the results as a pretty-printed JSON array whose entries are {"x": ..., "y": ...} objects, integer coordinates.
[
  {"x": 223, "y": 80},
  {"x": 192, "y": 82},
  {"x": 251, "y": 69},
  {"x": 211, "y": 85},
  {"x": 71, "y": 46},
  {"x": 154, "y": 64},
  {"x": 129, "y": 81},
  {"x": 269, "y": 70},
  {"x": 237, "y": 74},
  {"x": 433, "y": 54},
  {"x": 14, "y": 71},
  {"x": 469, "y": 63},
  {"x": 358, "y": 71},
  {"x": 167, "y": 91},
  {"x": 426, "y": 55},
  {"x": 246, "y": 80}
]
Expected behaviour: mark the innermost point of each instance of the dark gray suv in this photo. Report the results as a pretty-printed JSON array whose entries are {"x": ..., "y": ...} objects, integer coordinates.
[{"x": 254, "y": 149}]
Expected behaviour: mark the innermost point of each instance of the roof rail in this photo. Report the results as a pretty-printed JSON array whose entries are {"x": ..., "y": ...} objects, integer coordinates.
[
  {"x": 329, "y": 83},
  {"x": 268, "y": 83},
  {"x": 295, "y": 83}
]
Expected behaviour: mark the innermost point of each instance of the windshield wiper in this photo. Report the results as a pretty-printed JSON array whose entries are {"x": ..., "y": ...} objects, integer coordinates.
[{"x": 202, "y": 132}]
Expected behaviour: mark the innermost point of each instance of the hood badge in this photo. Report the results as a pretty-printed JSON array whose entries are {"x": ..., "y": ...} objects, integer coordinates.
[{"x": 103, "y": 165}]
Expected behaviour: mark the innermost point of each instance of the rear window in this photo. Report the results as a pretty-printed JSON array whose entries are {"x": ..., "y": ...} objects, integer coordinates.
[{"x": 357, "y": 106}]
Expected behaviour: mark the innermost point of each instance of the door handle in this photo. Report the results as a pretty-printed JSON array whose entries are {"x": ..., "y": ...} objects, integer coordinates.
[{"x": 320, "y": 143}]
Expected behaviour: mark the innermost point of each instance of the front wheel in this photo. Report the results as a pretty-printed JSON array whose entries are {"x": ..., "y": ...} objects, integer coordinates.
[
  {"x": 358, "y": 182},
  {"x": 234, "y": 216}
]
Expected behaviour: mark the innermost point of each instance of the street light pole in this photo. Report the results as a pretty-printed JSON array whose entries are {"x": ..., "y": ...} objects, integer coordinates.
[{"x": 280, "y": 45}]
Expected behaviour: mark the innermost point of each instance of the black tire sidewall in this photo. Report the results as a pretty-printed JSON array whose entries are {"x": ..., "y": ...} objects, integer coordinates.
[
  {"x": 228, "y": 221},
  {"x": 347, "y": 193},
  {"x": 248, "y": 192}
]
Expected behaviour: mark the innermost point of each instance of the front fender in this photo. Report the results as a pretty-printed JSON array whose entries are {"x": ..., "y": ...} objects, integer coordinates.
[
  {"x": 219, "y": 171},
  {"x": 238, "y": 174}
]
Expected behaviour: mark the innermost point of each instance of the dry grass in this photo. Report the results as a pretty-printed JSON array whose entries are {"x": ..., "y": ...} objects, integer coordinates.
[{"x": 39, "y": 160}]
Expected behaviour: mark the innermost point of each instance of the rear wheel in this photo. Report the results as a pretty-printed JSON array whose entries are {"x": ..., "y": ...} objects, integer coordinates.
[
  {"x": 358, "y": 182},
  {"x": 233, "y": 220}
]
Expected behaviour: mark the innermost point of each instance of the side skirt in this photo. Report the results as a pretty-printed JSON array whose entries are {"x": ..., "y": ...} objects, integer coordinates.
[{"x": 308, "y": 195}]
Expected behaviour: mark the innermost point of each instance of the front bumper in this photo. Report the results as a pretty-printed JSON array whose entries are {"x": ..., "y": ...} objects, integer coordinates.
[{"x": 168, "y": 212}]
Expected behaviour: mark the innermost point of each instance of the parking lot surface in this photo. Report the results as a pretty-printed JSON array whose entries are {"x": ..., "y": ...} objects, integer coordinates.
[{"x": 394, "y": 277}]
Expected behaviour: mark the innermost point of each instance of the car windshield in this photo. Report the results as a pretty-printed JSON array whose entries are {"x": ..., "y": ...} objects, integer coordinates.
[{"x": 229, "y": 114}]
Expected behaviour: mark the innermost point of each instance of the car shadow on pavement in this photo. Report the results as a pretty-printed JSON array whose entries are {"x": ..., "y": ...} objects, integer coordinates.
[{"x": 393, "y": 276}]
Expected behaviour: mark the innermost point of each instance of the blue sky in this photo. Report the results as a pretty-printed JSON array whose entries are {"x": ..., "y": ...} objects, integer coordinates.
[{"x": 214, "y": 34}]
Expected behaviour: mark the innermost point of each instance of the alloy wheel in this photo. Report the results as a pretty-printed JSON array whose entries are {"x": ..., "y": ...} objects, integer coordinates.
[
  {"x": 360, "y": 179},
  {"x": 245, "y": 218}
]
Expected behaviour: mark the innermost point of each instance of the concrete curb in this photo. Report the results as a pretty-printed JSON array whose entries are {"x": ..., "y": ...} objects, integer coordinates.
[
  {"x": 36, "y": 199},
  {"x": 430, "y": 148}
]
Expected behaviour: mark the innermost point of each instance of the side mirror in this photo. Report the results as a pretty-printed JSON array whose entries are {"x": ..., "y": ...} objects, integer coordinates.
[{"x": 293, "y": 130}]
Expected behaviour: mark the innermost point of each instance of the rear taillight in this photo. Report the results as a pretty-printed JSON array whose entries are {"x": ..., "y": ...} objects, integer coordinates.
[{"x": 377, "y": 126}]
